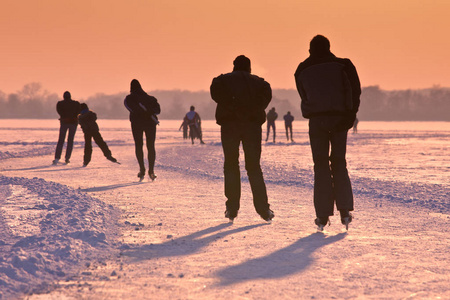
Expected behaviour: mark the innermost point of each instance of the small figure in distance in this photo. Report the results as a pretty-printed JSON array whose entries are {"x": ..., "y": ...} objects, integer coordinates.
[
  {"x": 143, "y": 109},
  {"x": 87, "y": 119},
  {"x": 288, "y": 119},
  {"x": 185, "y": 126},
  {"x": 68, "y": 111},
  {"x": 241, "y": 99},
  {"x": 330, "y": 89},
  {"x": 355, "y": 125},
  {"x": 194, "y": 123},
  {"x": 271, "y": 117}
]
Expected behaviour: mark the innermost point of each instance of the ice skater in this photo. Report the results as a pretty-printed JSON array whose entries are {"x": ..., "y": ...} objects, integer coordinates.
[
  {"x": 184, "y": 126},
  {"x": 330, "y": 89},
  {"x": 143, "y": 109},
  {"x": 288, "y": 119},
  {"x": 241, "y": 100},
  {"x": 195, "y": 125},
  {"x": 68, "y": 111},
  {"x": 271, "y": 117},
  {"x": 87, "y": 119}
]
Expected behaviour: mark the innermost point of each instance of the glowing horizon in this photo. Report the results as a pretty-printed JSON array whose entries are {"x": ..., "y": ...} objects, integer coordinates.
[{"x": 91, "y": 47}]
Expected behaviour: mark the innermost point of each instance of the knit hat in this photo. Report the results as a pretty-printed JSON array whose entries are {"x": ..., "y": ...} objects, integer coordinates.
[
  {"x": 241, "y": 63},
  {"x": 67, "y": 95}
]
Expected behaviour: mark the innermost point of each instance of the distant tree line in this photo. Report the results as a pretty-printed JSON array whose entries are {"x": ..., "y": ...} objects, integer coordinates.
[{"x": 432, "y": 104}]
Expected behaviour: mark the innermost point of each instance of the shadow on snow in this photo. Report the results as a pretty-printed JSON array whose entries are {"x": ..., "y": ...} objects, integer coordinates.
[
  {"x": 289, "y": 260},
  {"x": 185, "y": 245}
]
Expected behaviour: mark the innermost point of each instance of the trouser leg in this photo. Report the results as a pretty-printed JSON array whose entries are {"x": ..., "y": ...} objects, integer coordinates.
[
  {"x": 323, "y": 185},
  {"x": 87, "y": 148},
  {"x": 70, "y": 138},
  {"x": 62, "y": 136},
  {"x": 251, "y": 143},
  {"x": 150, "y": 135},
  {"x": 341, "y": 182},
  {"x": 138, "y": 133},
  {"x": 101, "y": 144},
  {"x": 232, "y": 176}
]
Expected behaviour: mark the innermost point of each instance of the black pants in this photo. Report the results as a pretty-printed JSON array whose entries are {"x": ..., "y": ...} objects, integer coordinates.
[
  {"x": 288, "y": 130},
  {"x": 72, "y": 128},
  {"x": 271, "y": 124},
  {"x": 331, "y": 180},
  {"x": 138, "y": 130},
  {"x": 250, "y": 135},
  {"x": 88, "y": 136}
]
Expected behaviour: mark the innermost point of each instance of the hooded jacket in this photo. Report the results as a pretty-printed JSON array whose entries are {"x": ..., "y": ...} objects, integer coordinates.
[
  {"x": 240, "y": 96},
  {"x": 328, "y": 85},
  {"x": 87, "y": 119},
  {"x": 143, "y": 108}
]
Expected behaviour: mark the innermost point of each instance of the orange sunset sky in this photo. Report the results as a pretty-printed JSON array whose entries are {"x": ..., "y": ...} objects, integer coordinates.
[{"x": 92, "y": 46}]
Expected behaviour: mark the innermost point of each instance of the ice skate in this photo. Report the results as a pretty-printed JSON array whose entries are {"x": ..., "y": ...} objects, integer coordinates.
[
  {"x": 67, "y": 161},
  {"x": 112, "y": 159},
  {"x": 55, "y": 162},
  {"x": 141, "y": 175},
  {"x": 268, "y": 216},
  {"x": 152, "y": 176},
  {"x": 321, "y": 223},
  {"x": 231, "y": 215},
  {"x": 346, "y": 218}
]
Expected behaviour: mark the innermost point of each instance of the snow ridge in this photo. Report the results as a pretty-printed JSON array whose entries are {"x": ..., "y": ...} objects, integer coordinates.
[{"x": 63, "y": 229}]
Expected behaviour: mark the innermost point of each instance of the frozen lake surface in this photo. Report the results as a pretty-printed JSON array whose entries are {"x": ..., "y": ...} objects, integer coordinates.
[{"x": 68, "y": 232}]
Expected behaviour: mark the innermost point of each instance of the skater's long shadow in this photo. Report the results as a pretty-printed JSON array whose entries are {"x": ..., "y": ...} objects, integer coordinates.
[
  {"x": 185, "y": 245},
  {"x": 110, "y": 187},
  {"x": 284, "y": 262}
]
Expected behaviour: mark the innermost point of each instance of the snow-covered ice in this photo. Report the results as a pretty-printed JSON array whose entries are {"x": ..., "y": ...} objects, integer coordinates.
[{"x": 68, "y": 232}]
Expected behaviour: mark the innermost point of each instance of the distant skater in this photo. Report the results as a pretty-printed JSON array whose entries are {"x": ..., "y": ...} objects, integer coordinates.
[
  {"x": 330, "y": 89},
  {"x": 87, "y": 119},
  {"x": 143, "y": 109},
  {"x": 288, "y": 119},
  {"x": 271, "y": 117},
  {"x": 185, "y": 126},
  {"x": 194, "y": 123},
  {"x": 355, "y": 125},
  {"x": 241, "y": 100},
  {"x": 68, "y": 111}
]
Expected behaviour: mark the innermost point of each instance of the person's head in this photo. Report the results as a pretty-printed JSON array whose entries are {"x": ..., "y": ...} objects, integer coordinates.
[
  {"x": 83, "y": 106},
  {"x": 319, "y": 45},
  {"x": 242, "y": 63},
  {"x": 135, "y": 86},
  {"x": 273, "y": 109},
  {"x": 288, "y": 112},
  {"x": 192, "y": 108},
  {"x": 67, "y": 95}
]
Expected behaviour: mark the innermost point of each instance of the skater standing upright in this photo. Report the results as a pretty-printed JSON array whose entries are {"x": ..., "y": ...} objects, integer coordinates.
[
  {"x": 87, "y": 119},
  {"x": 194, "y": 122},
  {"x": 241, "y": 100},
  {"x": 271, "y": 117},
  {"x": 330, "y": 89},
  {"x": 143, "y": 109},
  {"x": 288, "y": 119},
  {"x": 68, "y": 111}
]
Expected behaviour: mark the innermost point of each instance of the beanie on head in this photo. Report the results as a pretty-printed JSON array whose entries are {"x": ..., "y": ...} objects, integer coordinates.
[{"x": 241, "y": 63}]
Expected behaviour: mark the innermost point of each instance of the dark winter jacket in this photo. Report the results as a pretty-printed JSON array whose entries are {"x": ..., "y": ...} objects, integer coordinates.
[
  {"x": 143, "y": 108},
  {"x": 271, "y": 116},
  {"x": 87, "y": 119},
  {"x": 68, "y": 111},
  {"x": 288, "y": 119},
  {"x": 328, "y": 85},
  {"x": 240, "y": 96}
]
